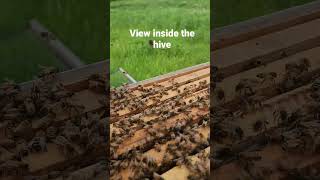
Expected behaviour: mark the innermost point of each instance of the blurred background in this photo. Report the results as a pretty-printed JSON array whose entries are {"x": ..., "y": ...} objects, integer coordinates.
[
  {"x": 79, "y": 25},
  {"x": 226, "y": 12},
  {"x": 82, "y": 27}
]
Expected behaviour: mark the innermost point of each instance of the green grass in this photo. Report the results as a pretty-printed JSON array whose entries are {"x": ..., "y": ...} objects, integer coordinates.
[
  {"x": 20, "y": 56},
  {"x": 137, "y": 57},
  {"x": 80, "y": 25},
  {"x": 231, "y": 11}
]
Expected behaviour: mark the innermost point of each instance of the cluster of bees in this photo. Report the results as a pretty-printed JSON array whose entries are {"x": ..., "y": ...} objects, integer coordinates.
[
  {"x": 295, "y": 132},
  {"x": 199, "y": 169},
  {"x": 300, "y": 129},
  {"x": 249, "y": 91},
  {"x": 31, "y": 119},
  {"x": 123, "y": 97},
  {"x": 148, "y": 110}
]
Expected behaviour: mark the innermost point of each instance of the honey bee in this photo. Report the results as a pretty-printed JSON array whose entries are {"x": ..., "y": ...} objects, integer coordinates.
[
  {"x": 267, "y": 77},
  {"x": 22, "y": 148},
  {"x": 246, "y": 87},
  {"x": 260, "y": 125},
  {"x": 219, "y": 95},
  {"x": 47, "y": 72},
  {"x": 295, "y": 69},
  {"x": 195, "y": 138}
]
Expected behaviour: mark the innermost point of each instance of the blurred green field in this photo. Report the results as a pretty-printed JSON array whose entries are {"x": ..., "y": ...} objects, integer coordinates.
[
  {"x": 135, "y": 54},
  {"x": 80, "y": 25}
]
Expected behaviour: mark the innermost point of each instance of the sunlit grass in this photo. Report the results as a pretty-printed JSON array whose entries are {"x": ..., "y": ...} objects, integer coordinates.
[{"x": 135, "y": 54}]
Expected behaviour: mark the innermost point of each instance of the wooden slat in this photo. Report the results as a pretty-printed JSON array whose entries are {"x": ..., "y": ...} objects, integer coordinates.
[
  {"x": 37, "y": 161},
  {"x": 265, "y": 49},
  {"x": 140, "y": 135},
  {"x": 205, "y": 131},
  {"x": 86, "y": 172},
  {"x": 76, "y": 79},
  {"x": 229, "y": 84},
  {"x": 284, "y": 101},
  {"x": 193, "y": 86},
  {"x": 96, "y": 153},
  {"x": 185, "y": 78},
  {"x": 88, "y": 99},
  {"x": 268, "y": 92},
  {"x": 186, "y": 99},
  {"x": 260, "y": 26},
  {"x": 159, "y": 155},
  {"x": 272, "y": 157},
  {"x": 182, "y": 172},
  {"x": 289, "y": 102},
  {"x": 168, "y": 76}
]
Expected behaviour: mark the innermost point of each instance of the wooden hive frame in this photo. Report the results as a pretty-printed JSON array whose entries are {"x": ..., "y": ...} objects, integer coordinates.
[
  {"x": 189, "y": 85},
  {"x": 78, "y": 82},
  {"x": 253, "y": 58},
  {"x": 242, "y": 51}
]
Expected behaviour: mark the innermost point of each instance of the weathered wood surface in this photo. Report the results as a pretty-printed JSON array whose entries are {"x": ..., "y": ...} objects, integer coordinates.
[
  {"x": 245, "y": 50},
  {"x": 260, "y": 26}
]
